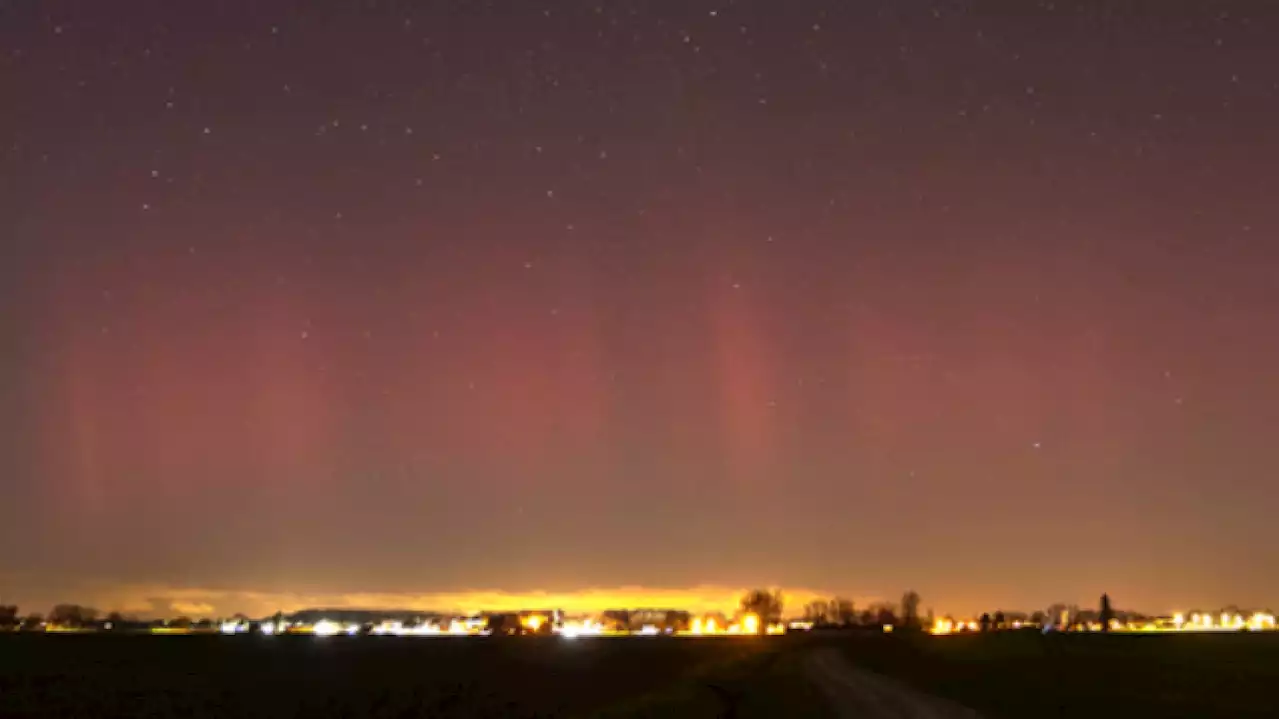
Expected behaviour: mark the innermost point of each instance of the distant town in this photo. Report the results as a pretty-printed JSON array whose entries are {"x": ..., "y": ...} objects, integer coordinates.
[{"x": 761, "y": 612}]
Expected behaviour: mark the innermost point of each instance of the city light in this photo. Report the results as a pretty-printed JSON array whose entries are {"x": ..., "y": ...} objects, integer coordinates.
[
  {"x": 1177, "y": 622},
  {"x": 653, "y": 623}
]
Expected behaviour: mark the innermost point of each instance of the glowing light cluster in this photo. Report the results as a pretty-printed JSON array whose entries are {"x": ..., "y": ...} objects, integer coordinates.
[
  {"x": 472, "y": 626},
  {"x": 584, "y": 628},
  {"x": 748, "y": 624},
  {"x": 1179, "y": 622},
  {"x": 952, "y": 626},
  {"x": 327, "y": 628}
]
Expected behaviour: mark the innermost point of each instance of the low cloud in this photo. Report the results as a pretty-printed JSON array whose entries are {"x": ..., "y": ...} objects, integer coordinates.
[
  {"x": 161, "y": 600},
  {"x": 197, "y": 609}
]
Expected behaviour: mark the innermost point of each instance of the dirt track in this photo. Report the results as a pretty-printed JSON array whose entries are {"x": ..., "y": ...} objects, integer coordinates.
[{"x": 859, "y": 694}]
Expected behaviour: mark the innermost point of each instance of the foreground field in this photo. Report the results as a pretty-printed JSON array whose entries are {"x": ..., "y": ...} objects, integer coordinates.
[
  {"x": 1001, "y": 675},
  {"x": 1024, "y": 674},
  {"x": 213, "y": 676}
]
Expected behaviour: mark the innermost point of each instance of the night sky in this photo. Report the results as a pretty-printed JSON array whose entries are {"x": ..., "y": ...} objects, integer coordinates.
[{"x": 306, "y": 300}]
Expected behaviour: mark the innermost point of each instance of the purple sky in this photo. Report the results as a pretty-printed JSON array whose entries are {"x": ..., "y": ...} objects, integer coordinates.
[{"x": 329, "y": 298}]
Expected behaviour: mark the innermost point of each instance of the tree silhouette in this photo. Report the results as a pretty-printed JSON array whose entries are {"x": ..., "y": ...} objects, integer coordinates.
[
  {"x": 911, "y": 609},
  {"x": 984, "y": 622},
  {"x": 72, "y": 615},
  {"x": 765, "y": 604},
  {"x": 676, "y": 621},
  {"x": 8, "y": 616},
  {"x": 619, "y": 619},
  {"x": 1055, "y": 614},
  {"x": 842, "y": 611},
  {"x": 999, "y": 620},
  {"x": 880, "y": 613},
  {"x": 1037, "y": 617},
  {"x": 1105, "y": 614},
  {"x": 818, "y": 611}
]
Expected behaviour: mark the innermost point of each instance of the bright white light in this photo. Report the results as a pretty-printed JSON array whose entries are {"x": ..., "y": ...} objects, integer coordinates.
[{"x": 326, "y": 628}]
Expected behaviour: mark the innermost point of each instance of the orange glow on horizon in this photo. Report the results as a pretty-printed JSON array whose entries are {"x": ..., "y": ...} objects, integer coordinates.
[{"x": 162, "y": 601}]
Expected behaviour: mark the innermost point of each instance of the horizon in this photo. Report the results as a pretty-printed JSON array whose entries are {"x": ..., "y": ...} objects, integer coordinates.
[{"x": 153, "y": 602}]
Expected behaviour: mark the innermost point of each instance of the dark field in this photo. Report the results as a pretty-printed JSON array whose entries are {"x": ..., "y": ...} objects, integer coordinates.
[
  {"x": 1014, "y": 674},
  {"x": 1024, "y": 674},
  {"x": 108, "y": 675}
]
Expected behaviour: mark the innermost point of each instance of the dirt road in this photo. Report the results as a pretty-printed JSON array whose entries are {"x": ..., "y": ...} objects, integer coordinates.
[{"x": 858, "y": 694}]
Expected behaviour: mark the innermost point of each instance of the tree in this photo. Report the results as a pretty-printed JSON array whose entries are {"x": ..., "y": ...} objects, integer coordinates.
[
  {"x": 999, "y": 620},
  {"x": 765, "y": 604},
  {"x": 8, "y": 616},
  {"x": 618, "y": 619},
  {"x": 1105, "y": 614},
  {"x": 842, "y": 611},
  {"x": 818, "y": 611},
  {"x": 32, "y": 622},
  {"x": 72, "y": 615},
  {"x": 911, "y": 609},
  {"x": 1013, "y": 616},
  {"x": 880, "y": 613},
  {"x": 676, "y": 621},
  {"x": 1037, "y": 618},
  {"x": 114, "y": 620},
  {"x": 984, "y": 622},
  {"x": 1058, "y": 615}
]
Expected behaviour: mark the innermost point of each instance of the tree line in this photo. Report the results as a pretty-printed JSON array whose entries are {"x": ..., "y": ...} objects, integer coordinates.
[
  {"x": 70, "y": 615},
  {"x": 766, "y": 604},
  {"x": 839, "y": 611}
]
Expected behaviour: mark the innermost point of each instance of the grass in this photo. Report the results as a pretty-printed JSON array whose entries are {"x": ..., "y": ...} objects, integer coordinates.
[
  {"x": 1021, "y": 674},
  {"x": 122, "y": 675}
]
